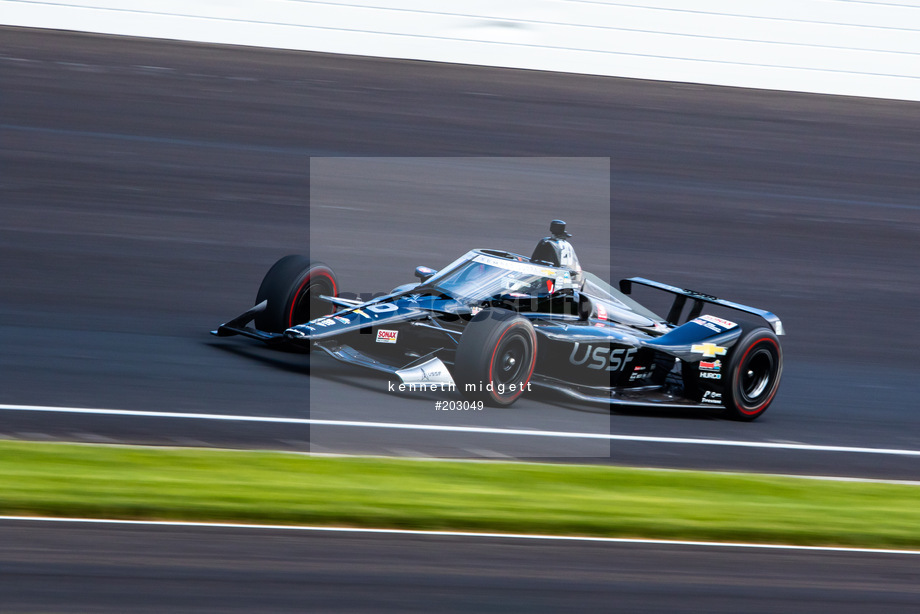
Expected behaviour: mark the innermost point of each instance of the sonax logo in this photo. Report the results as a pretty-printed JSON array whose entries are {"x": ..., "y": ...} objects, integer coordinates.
[{"x": 386, "y": 336}]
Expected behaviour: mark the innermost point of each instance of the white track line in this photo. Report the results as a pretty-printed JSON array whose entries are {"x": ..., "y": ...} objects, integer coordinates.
[
  {"x": 575, "y": 538},
  {"x": 464, "y": 429}
]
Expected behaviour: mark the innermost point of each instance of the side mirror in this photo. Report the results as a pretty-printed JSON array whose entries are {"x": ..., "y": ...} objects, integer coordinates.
[{"x": 424, "y": 273}]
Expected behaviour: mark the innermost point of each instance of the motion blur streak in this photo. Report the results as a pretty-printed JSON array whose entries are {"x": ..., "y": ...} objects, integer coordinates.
[
  {"x": 111, "y": 569},
  {"x": 461, "y": 429},
  {"x": 407, "y": 532},
  {"x": 119, "y": 253}
]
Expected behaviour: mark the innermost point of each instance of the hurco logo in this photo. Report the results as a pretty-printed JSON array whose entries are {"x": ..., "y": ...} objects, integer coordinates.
[
  {"x": 709, "y": 350},
  {"x": 387, "y": 336},
  {"x": 602, "y": 357}
]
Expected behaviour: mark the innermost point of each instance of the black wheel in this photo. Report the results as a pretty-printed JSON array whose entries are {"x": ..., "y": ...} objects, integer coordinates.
[
  {"x": 292, "y": 288},
  {"x": 496, "y": 356},
  {"x": 754, "y": 373}
]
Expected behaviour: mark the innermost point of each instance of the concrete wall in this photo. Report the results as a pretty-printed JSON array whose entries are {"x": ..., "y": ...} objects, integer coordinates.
[{"x": 850, "y": 47}]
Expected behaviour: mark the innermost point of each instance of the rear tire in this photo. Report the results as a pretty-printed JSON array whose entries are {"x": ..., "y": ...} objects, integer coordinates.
[
  {"x": 754, "y": 373},
  {"x": 498, "y": 347},
  {"x": 292, "y": 288}
]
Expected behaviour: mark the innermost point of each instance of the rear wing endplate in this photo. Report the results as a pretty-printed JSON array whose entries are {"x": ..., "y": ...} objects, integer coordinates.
[{"x": 680, "y": 300}]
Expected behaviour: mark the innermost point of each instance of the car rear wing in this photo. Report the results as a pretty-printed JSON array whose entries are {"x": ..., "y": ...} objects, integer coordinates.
[{"x": 680, "y": 300}]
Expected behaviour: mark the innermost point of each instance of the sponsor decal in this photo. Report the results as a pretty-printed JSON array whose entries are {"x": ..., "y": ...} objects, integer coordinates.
[
  {"x": 428, "y": 376},
  {"x": 601, "y": 312},
  {"x": 341, "y": 320},
  {"x": 708, "y": 325},
  {"x": 324, "y": 322},
  {"x": 693, "y": 293},
  {"x": 713, "y": 398},
  {"x": 710, "y": 366},
  {"x": 640, "y": 376},
  {"x": 387, "y": 336},
  {"x": 717, "y": 325},
  {"x": 602, "y": 357},
  {"x": 707, "y": 375},
  {"x": 362, "y": 314},
  {"x": 475, "y": 309},
  {"x": 709, "y": 350},
  {"x": 726, "y": 324}
]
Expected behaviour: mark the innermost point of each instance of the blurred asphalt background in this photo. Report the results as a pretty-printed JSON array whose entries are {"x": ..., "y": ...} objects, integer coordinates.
[{"x": 148, "y": 185}]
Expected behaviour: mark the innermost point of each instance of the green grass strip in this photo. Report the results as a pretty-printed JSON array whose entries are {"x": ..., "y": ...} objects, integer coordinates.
[{"x": 68, "y": 480}]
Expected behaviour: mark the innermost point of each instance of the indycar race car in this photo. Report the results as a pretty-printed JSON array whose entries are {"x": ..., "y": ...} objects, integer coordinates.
[{"x": 493, "y": 325}]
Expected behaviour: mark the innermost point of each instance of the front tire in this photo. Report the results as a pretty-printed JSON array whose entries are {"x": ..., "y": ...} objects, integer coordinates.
[
  {"x": 498, "y": 349},
  {"x": 754, "y": 373},
  {"x": 292, "y": 288}
]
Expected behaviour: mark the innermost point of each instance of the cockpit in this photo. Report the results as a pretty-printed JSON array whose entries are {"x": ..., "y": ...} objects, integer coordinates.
[
  {"x": 551, "y": 280},
  {"x": 481, "y": 275}
]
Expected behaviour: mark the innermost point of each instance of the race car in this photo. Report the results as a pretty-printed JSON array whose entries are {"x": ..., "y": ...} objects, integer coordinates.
[{"x": 494, "y": 325}]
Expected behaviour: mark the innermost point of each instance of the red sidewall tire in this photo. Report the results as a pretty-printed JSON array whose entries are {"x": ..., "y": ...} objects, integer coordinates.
[
  {"x": 498, "y": 347},
  {"x": 292, "y": 287},
  {"x": 755, "y": 370}
]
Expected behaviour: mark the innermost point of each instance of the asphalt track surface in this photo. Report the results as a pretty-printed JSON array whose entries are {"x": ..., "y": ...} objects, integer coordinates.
[
  {"x": 148, "y": 185},
  {"x": 89, "y": 568}
]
